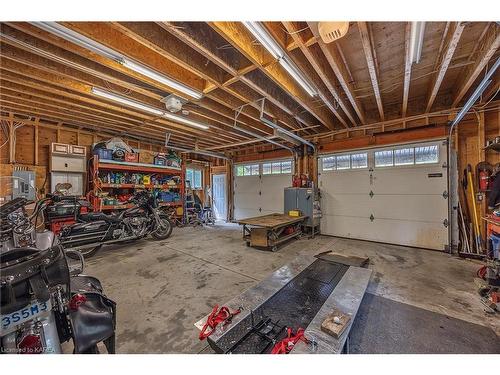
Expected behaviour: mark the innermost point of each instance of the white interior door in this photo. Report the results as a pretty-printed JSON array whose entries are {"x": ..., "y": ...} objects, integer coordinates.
[
  {"x": 219, "y": 196},
  {"x": 399, "y": 204}
]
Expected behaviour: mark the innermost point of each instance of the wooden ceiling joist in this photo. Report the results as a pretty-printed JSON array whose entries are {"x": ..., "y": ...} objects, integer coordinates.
[
  {"x": 370, "y": 61},
  {"x": 490, "y": 44},
  {"x": 454, "y": 34},
  {"x": 327, "y": 81},
  {"x": 335, "y": 60},
  {"x": 407, "y": 74}
]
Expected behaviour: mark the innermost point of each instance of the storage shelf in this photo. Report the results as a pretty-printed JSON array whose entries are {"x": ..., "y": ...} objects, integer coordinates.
[
  {"x": 141, "y": 167},
  {"x": 96, "y": 185},
  {"x": 138, "y": 186}
]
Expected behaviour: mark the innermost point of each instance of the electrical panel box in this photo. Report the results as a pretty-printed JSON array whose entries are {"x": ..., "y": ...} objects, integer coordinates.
[
  {"x": 23, "y": 185},
  {"x": 306, "y": 200}
]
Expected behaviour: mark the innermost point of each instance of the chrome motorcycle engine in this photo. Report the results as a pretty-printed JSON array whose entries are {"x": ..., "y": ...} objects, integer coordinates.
[{"x": 138, "y": 225}]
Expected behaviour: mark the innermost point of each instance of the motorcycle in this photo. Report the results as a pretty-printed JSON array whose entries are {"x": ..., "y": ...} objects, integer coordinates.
[
  {"x": 95, "y": 229},
  {"x": 45, "y": 300}
]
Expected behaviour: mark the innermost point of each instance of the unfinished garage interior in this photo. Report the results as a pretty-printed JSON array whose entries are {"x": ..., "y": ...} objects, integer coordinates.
[{"x": 250, "y": 187}]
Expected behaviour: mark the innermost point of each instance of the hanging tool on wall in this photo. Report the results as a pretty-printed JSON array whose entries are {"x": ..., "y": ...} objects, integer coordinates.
[{"x": 475, "y": 219}]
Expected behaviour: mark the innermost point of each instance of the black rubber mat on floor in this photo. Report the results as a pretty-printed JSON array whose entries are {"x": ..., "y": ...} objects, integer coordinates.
[
  {"x": 294, "y": 306},
  {"x": 383, "y": 326}
]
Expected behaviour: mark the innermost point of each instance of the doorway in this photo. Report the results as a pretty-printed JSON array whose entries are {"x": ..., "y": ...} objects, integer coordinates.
[{"x": 219, "y": 196}]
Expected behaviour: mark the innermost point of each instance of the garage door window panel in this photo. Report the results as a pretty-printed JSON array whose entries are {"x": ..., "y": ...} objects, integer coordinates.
[
  {"x": 359, "y": 161},
  {"x": 384, "y": 158},
  {"x": 404, "y": 156},
  {"x": 329, "y": 163},
  {"x": 427, "y": 154},
  {"x": 343, "y": 162}
]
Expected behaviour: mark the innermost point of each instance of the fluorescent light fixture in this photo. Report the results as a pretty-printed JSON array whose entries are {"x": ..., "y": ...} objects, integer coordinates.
[
  {"x": 126, "y": 101},
  {"x": 184, "y": 120},
  {"x": 145, "y": 71},
  {"x": 416, "y": 41},
  {"x": 297, "y": 75},
  {"x": 265, "y": 39},
  {"x": 78, "y": 39},
  {"x": 146, "y": 108},
  {"x": 92, "y": 45},
  {"x": 259, "y": 32}
]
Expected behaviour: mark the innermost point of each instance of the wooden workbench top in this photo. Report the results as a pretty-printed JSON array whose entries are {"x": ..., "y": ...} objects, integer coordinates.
[{"x": 271, "y": 221}]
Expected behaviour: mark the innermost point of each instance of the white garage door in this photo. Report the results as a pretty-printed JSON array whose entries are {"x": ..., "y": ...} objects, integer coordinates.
[
  {"x": 394, "y": 195},
  {"x": 259, "y": 188}
]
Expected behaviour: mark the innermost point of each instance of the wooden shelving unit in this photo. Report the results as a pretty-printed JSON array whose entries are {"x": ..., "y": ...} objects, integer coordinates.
[{"x": 97, "y": 186}]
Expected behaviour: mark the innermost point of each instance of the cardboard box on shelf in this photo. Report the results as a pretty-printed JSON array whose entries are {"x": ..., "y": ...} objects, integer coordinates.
[{"x": 146, "y": 156}]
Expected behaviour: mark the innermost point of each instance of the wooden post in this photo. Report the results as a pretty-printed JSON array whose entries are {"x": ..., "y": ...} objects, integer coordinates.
[
  {"x": 12, "y": 145},
  {"x": 481, "y": 135},
  {"x": 35, "y": 159}
]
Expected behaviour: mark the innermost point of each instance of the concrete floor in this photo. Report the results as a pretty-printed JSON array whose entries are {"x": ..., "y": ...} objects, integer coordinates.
[{"x": 162, "y": 288}]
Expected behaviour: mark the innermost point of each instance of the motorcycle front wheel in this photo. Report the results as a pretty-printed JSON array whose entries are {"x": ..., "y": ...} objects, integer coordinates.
[{"x": 163, "y": 233}]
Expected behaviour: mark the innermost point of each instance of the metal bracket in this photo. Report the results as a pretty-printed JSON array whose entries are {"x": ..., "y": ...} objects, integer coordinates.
[
  {"x": 445, "y": 223},
  {"x": 371, "y": 194},
  {"x": 372, "y": 217},
  {"x": 445, "y": 194}
]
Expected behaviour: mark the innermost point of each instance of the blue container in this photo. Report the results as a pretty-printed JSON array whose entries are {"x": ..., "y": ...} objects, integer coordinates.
[
  {"x": 166, "y": 196},
  {"x": 103, "y": 153},
  {"x": 495, "y": 245}
]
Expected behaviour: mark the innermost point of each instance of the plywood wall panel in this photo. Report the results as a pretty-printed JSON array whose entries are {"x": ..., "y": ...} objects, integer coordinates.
[{"x": 25, "y": 145}]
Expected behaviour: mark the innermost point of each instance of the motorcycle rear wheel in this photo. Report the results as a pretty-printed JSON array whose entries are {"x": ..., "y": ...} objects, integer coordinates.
[
  {"x": 87, "y": 253},
  {"x": 160, "y": 233}
]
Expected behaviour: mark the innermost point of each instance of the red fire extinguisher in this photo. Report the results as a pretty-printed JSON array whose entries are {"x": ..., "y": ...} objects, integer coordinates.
[{"x": 484, "y": 180}]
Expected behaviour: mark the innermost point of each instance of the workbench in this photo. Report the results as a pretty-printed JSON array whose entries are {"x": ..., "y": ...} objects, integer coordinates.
[
  {"x": 268, "y": 231},
  {"x": 302, "y": 292}
]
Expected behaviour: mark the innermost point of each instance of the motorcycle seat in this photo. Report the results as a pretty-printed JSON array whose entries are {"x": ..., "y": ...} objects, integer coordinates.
[{"x": 95, "y": 216}]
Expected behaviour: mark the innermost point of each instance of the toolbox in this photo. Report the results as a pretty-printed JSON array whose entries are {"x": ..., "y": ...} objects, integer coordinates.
[{"x": 132, "y": 157}]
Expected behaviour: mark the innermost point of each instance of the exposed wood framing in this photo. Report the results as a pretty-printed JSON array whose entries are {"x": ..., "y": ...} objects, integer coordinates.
[
  {"x": 407, "y": 76},
  {"x": 454, "y": 34},
  {"x": 236, "y": 34},
  {"x": 370, "y": 61},
  {"x": 490, "y": 45}
]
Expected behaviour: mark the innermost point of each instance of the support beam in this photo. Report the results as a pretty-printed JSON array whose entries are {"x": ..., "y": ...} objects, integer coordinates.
[
  {"x": 407, "y": 76},
  {"x": 490, "y": 45},
  {"x": 454, "y": 34},
  {"x": 372, "y": 69},
  {"x": 340, "y": 69}
]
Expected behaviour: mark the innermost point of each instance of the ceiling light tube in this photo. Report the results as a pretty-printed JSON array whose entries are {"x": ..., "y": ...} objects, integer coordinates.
[
  {"x": 184, "y": 120},
  {"x": 297, "y": 75},
  {"x": 92, "y": 45},
  {"x": 146, "y": 108},
  {"x": 416, "y": 41},
  {"x": 78, "y": 39},
  {"x": 145, "y": 71},
  {"x": 265, "y": 39},
  {"x": 123, "y": 100}
]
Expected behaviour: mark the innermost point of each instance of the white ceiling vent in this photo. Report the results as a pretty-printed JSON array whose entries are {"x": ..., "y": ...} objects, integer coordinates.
[{"x": 331, "y": 31}]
